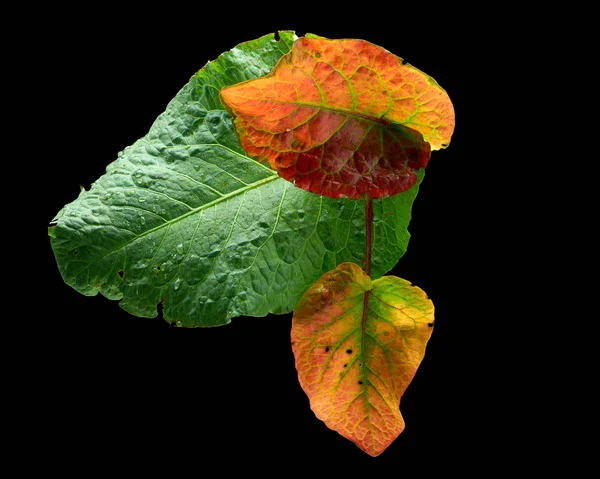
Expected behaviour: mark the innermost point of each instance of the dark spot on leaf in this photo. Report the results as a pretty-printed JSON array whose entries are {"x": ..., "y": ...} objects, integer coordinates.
[
  {"x": 327, "y": 349},
  {"x": 360, "y": 382},
  {"x": 225, "y": 183},
  {"x": 277, "y": 37},
  {"x": 360, "y": 365},
  {"x": 75, "y": 252},
  {"x": 349, "y": 351},
  {"x": 158, "y": 268},
  {"x": 318, "y": 55},
  {"x": 430, "y": 324},
  {"x": 444, "y": 145},
  {"x": 345, "y": 365},
  {"x": 120, "y": 273}
]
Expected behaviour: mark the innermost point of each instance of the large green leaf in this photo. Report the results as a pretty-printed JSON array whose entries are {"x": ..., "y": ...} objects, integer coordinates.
[{"x": 186, "y": 218}]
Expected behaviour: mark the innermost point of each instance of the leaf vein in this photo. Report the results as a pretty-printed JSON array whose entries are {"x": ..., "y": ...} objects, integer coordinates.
[{"x": 185, "y": 215}]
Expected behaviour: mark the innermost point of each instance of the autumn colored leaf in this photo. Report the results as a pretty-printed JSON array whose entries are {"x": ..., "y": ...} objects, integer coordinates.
[
  {"x": 358, "y": 343},
  {"x": 342, "y": 118}
]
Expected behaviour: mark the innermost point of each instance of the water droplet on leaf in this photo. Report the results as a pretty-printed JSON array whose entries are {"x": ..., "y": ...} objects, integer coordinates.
[{"x": 179, "y": 248}]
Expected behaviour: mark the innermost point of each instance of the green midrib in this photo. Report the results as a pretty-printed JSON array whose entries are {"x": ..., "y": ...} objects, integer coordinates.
[
  {"x": 183, "y": 216},
  {"x": 341, "y": 111},
  {"x": 364, "y": 305}
]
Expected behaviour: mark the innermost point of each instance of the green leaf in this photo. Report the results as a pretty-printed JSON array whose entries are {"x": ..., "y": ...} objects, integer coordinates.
[{"x": 186, "y": 218}]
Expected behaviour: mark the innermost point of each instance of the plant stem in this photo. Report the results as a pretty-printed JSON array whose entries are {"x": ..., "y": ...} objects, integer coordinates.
[{"x": 369, "y": 221}]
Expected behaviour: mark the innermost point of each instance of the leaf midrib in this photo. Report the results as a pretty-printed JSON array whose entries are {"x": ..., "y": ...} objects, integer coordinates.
[
  {"x": 183, "y": 216},
  {"x": 341, "y": 111}
]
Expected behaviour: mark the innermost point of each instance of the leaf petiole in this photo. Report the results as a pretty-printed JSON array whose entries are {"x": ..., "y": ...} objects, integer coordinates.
[{"x": 369, "y": 241}]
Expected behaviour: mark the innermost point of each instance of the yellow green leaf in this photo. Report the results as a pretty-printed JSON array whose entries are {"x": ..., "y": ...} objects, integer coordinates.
[{"x": 357, "y": 345}]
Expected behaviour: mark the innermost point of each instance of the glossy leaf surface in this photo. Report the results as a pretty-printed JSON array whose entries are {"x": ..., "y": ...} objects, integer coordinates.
[
  {"x": 185, "y": 218},
  {"x": 358, "y": 343},
  {"x": 342, "y": 118}
]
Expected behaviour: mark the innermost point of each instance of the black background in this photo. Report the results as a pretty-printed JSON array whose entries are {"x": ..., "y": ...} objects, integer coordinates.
[{"x": 113, "y": 386}]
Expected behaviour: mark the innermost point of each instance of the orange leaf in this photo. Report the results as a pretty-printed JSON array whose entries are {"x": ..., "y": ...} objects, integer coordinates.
[
  {"x": 358, "y": 344},
  {"x": 342, "y": 118}
]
